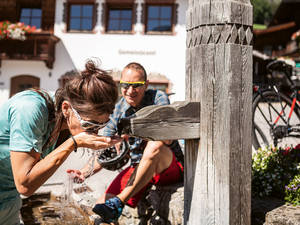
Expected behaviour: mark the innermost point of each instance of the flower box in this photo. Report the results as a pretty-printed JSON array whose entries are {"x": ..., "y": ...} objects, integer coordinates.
[{"x": 15, "y": 31}]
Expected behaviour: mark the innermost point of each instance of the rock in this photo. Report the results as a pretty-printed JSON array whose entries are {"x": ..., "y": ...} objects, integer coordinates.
[
  {"x": 261, "y": 206},
  {"x": 161, "y": 205},
  {"x": 284, "y": 215}
]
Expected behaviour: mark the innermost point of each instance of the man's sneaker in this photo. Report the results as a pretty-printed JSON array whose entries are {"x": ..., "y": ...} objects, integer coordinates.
[{"x": 111, "y": 210}]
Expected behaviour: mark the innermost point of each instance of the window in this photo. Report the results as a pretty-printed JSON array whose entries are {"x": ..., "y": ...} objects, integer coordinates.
[
  {"x": 31, "y": 16},
  {"x": 81, "y": 17},
  {"x": 159, "y": 18},
  {"x": 119, "y": 19}
]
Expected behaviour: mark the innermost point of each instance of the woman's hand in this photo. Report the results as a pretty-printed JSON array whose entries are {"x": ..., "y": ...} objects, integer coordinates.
[
  {"x": 76, "y": 175},
  {"x": 96, "y": 142}
]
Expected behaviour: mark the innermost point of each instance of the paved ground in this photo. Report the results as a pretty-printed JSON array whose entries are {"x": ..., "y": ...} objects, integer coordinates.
[
  {"x": 59, "y": 183},
  {"x": 261, "y": 122}
]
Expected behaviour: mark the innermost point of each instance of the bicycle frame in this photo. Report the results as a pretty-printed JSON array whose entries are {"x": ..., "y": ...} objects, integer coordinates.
[
  {"x": 276, "y": 114},
  {"x": 286, "y": 69},
  {"x": 294, "y": 104}
]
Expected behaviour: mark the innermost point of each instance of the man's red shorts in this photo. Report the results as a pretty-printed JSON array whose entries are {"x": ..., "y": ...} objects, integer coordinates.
[{"x": 171, "y": 175}]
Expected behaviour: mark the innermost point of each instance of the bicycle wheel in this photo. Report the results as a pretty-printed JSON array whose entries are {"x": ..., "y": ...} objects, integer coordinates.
[
  {"x": 271, "y": 120},
  {"x": 259, "y": 137}
]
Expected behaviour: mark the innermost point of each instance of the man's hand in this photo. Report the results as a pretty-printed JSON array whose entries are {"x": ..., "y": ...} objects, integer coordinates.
[{"x": 118, "y": 145}]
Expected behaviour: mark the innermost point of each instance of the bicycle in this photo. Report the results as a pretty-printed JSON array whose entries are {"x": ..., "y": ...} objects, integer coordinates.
[{"x": 276, "y": 115}]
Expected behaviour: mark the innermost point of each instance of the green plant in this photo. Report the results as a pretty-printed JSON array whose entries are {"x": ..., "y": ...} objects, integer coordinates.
[
  {"x": 273, "y": 169},
  {"x": 262, "y": 11},
  {"x": 292, "y": 191},
  {"x": 16, "y": 31}
]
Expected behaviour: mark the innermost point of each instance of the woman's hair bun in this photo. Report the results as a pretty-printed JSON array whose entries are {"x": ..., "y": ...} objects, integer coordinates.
[{"x": 90, "y": 69}]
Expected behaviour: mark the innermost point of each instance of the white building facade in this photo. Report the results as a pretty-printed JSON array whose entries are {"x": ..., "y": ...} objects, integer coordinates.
[{"x": 116, "y": 32}]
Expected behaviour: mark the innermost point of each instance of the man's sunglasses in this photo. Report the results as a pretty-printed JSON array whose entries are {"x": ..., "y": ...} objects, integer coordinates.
[
  {"x": 87, "y": 125},
  {"x": 126, "y": 85}
]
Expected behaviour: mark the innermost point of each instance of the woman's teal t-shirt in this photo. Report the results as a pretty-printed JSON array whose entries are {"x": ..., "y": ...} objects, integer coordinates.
[{"x": 23, "y": 126}]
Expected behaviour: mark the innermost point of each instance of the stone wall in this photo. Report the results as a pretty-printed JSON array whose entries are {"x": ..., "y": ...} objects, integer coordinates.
[{"x": 162, "y": 205}]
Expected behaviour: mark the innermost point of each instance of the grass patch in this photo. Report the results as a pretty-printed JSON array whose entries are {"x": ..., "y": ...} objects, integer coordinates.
[{"x": 259, "y": 26}]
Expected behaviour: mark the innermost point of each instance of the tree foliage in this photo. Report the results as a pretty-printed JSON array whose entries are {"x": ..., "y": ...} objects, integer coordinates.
[{"x": 263, "y": 10}]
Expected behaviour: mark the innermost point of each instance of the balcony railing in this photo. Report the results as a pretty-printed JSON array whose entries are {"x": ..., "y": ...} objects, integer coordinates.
[{"x": 37, "y": 46}]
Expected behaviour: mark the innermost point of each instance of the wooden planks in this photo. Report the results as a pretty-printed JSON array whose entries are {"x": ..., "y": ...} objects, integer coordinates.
[
  {"x": 219, "y": 76},
  {"x": 179, "y": 120}
]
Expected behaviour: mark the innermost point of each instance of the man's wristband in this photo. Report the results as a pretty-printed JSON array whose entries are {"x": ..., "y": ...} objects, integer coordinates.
[{"x": 75, "y": 143}]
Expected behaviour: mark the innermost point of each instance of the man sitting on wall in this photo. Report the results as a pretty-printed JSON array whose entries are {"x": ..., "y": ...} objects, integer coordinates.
[{"x": 152, "y": 162}]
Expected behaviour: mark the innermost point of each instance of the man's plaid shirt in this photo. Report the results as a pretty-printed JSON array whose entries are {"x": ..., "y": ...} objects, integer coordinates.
[{"x": 123, "y": 109}]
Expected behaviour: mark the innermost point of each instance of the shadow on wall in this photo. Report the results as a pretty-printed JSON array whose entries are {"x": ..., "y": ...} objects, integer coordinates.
[{"x": 63, "y": 63}]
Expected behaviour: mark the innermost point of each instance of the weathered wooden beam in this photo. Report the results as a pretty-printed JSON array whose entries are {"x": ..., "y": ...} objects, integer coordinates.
[
  {"x": 179, "y": 120},
  {"x": 219, "y": 75}
]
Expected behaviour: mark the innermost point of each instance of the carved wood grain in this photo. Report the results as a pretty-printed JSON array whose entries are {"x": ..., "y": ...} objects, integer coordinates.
[{"x": 179, "y": 120}]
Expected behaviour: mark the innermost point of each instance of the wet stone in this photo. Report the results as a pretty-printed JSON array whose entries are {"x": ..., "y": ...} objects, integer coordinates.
[{"x": 45, "y": 209}]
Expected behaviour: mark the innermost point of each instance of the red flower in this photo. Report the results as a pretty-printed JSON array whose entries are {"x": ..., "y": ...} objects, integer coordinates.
[
  {"x": 285, "y": 152},
  {"x": 297, "y": 146}
]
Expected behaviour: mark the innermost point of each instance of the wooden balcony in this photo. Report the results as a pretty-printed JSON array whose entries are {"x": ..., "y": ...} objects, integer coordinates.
[{"x": 37, "y": 46}]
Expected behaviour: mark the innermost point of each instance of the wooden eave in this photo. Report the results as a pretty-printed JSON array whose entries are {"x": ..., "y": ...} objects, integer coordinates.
[
  {"x": 274, "y": 36},
  {"x": 276, "y": 28}
]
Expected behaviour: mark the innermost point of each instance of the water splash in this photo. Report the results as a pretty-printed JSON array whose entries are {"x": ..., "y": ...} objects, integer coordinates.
[
  {"x": 69, "y": 189},
  {"x": 80, "y": 193},
  {"x": 91, "y": 161},
  {"x": 91, "y": 164}
]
